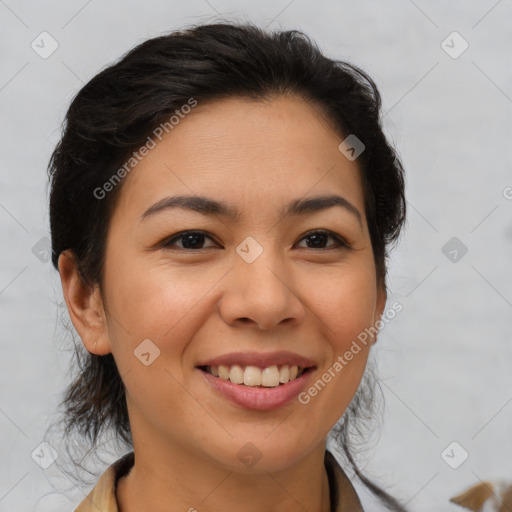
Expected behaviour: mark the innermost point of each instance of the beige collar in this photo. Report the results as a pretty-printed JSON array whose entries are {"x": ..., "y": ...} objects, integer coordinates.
[{"x": 102, "y": 497}]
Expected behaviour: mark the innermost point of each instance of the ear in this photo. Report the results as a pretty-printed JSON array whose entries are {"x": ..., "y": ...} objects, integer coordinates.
[
  {"x": 379, "y": 308},
  {"x": 85, "y": 306}
]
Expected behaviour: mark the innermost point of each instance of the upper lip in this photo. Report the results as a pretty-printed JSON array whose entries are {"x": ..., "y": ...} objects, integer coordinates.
[{"x": 260, "y": 359}]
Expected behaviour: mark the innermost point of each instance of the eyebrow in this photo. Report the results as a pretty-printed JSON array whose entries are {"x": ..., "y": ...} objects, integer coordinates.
[{"x": 208, "y": 206}]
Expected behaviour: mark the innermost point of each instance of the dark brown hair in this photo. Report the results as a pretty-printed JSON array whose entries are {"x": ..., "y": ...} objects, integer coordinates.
[{"x": 112, "y": 116}]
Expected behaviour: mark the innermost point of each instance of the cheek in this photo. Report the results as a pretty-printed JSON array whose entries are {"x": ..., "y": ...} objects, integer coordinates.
[
  {"x": 345, "y": 303},
  {"x": 152, "y": 303},
  {"x": 345, "y": 308},
  {"x": 155, "y": 302}
]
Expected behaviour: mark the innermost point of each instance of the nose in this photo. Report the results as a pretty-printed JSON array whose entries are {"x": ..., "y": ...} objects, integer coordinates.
[{"x": 261, "y": 294}]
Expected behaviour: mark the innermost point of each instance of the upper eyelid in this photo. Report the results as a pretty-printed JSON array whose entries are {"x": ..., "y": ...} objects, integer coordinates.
[{"x": 341, "y": 241}]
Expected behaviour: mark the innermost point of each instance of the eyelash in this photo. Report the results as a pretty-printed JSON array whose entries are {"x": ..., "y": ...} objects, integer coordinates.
[{"x": 340, "y": 243}]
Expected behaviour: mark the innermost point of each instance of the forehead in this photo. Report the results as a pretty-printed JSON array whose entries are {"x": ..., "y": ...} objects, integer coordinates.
[{"x": 254, "y": 154}]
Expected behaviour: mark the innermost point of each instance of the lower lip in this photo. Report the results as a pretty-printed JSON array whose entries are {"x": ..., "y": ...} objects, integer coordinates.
[{"x": 261, "y": 399}]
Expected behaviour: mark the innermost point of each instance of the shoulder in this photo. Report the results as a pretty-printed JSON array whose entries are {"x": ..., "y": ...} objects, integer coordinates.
[{"x": 103, "y": 494}]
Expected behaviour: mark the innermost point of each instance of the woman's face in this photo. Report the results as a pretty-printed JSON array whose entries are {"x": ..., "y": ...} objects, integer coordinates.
[{"x": 258, "y": 289}]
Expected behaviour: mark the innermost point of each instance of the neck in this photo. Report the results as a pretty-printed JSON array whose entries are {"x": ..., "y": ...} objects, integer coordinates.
[{"x": 171, "y": 479}]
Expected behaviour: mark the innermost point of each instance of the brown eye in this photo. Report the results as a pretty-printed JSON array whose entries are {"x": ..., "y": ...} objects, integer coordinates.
[
  {"x": 318, "y": 238},
  {"x": 190, "y": 240}
]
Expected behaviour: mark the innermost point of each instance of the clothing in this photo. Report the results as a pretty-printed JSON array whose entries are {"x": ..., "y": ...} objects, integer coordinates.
[{"x": 102, "y": 497}]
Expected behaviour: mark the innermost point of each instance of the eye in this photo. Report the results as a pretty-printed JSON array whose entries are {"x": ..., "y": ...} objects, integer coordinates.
[
  {"x": 194, "y": 240},
  {"x": 319, "y": 237},
  {"x": 190, "y": 240}
]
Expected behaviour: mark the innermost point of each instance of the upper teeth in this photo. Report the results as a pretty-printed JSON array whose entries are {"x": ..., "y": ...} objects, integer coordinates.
[{"x": 270, "y": 376}]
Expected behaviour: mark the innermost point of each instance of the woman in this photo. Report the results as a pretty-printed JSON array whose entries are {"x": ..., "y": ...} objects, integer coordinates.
[{"x": 222, "y": 201}]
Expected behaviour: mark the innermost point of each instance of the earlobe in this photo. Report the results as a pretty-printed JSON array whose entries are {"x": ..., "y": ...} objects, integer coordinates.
[{"x": 85, "y": 306}]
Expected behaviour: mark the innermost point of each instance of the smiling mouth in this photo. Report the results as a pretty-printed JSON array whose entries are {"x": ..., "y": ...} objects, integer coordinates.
[{"x": 253, "y": 376}]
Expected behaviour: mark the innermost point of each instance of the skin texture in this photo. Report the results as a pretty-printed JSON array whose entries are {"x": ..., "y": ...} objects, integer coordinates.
[{"x": 199, "y": 303}]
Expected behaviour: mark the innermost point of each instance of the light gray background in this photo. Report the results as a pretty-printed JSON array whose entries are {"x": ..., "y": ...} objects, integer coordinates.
[{"x": 445, "y": 360}]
